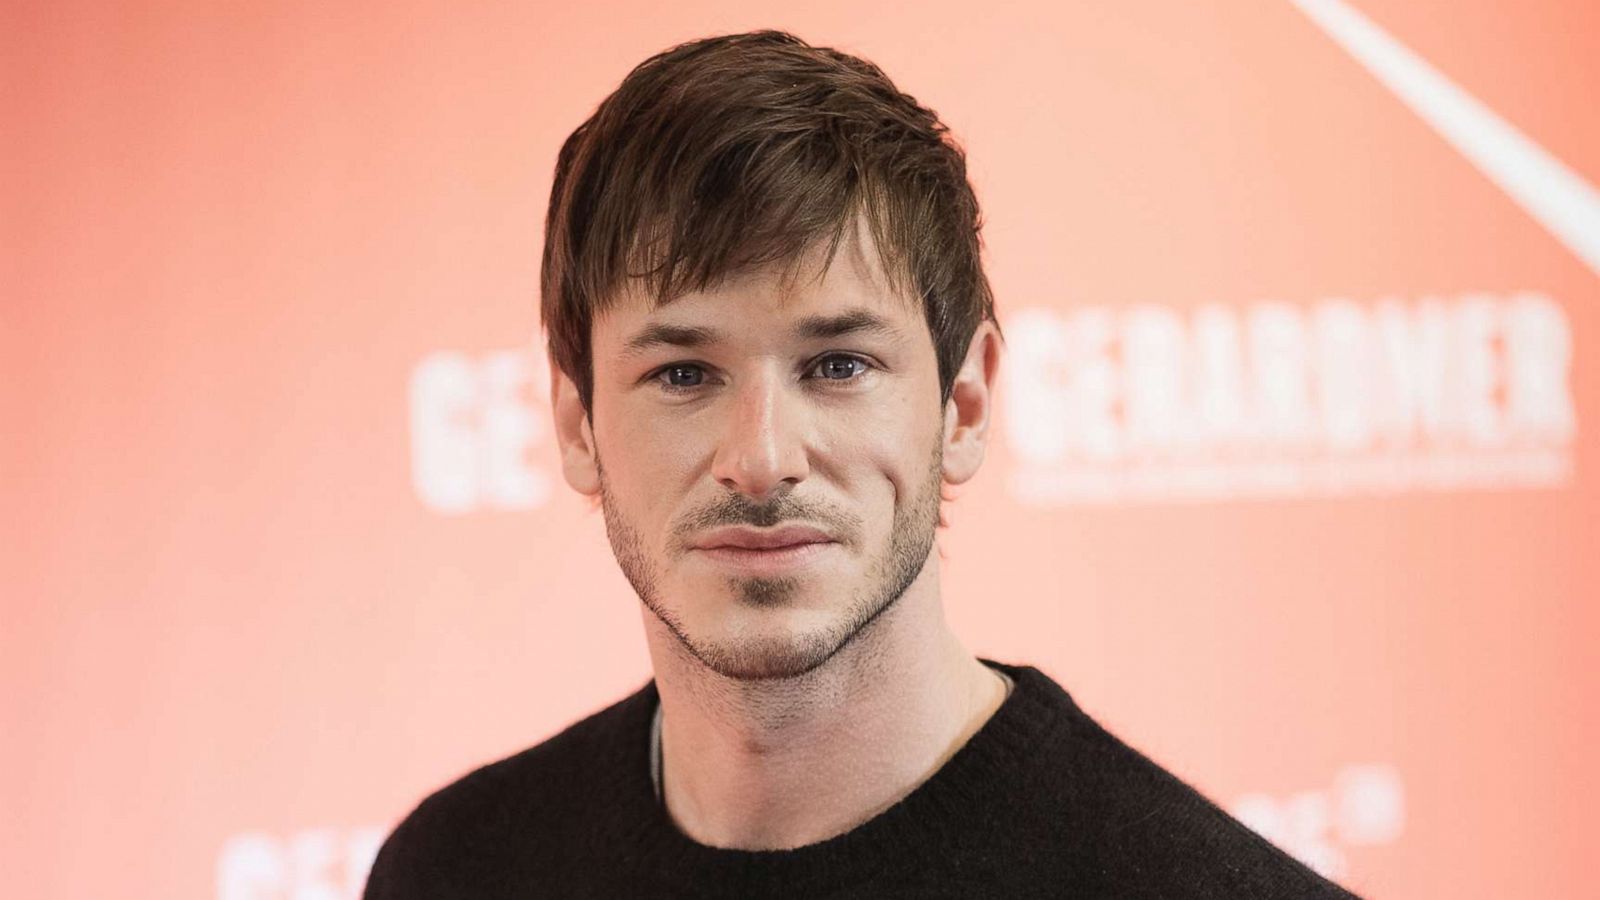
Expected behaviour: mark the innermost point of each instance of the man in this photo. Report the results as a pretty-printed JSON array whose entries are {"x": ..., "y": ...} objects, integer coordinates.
[{"x": 772, "y": 344}]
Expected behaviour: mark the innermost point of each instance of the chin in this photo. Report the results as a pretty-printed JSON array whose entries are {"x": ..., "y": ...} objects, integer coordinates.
[
  {"x": 756, "y": 629},
  {"x": 766, "y": 659},
  {"x": 770, "y": 642}
]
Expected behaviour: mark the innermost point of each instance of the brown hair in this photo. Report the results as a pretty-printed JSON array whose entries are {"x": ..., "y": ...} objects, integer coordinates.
[{"x": 744, "y": 150}]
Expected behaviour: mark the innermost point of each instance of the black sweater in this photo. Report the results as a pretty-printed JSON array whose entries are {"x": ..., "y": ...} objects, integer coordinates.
[{"x": 1041, "y": 802}]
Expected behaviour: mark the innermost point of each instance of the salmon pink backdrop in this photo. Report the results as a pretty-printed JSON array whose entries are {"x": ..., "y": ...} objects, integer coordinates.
[{"x": 1295, "y": 485}]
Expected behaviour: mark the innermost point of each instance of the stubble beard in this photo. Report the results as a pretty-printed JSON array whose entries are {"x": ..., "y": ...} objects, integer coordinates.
[{"x": 790, "y": 656}]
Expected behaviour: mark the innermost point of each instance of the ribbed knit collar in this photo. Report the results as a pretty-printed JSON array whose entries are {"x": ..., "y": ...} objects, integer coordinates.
[{"x": 985, "y": 771}]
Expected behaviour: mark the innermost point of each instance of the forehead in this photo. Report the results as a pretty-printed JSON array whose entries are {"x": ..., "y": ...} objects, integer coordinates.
[{"x": 815, "y": 296}]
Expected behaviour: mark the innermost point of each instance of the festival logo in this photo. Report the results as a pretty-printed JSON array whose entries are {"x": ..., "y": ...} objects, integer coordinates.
[
  {"x": 478, "y": 424},
  {"x": 311, "y": 864},
  {"x": 1364, "y": 807},
  {"x": 1156, "y": 403}
]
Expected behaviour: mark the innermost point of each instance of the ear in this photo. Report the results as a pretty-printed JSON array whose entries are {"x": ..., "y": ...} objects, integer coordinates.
[
  {"x": 574, "y": 434},
  {"x": 967, "y": 413}
]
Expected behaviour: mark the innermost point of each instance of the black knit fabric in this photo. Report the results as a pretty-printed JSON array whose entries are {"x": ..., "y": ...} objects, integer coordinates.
[{"x": 1041, "y": 802}]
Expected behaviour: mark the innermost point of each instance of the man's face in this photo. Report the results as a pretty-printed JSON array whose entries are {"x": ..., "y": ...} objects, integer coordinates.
[{"x": 769, "y": 458}]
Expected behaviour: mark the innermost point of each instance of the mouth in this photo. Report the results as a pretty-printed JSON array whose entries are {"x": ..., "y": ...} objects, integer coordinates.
[{"x": 773, "y": 560}]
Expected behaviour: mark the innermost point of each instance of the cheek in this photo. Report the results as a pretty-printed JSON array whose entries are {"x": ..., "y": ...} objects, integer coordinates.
[
  {"x": 885, "y": 457},
  {"x": 652, "y": 447},
  {"x": 649, "y": 461}
]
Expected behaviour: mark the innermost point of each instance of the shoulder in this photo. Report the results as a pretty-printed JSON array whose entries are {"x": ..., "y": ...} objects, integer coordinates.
[
  {"x": 1143, "y": 831},
  {"x": 507, "y": 816}
]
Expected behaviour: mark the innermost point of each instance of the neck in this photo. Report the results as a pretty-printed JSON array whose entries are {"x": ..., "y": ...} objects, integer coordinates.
[{"x": 782, "y": 763}]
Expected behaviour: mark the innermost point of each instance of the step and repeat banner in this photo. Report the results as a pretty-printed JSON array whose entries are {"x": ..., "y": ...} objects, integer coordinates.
[{"x": 1296, "y": 483}]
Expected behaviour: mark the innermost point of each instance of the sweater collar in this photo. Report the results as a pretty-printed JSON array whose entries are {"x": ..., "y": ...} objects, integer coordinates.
[{"x": 985, "y": 771}]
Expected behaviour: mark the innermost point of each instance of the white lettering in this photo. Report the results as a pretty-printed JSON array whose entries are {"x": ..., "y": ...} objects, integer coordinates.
[
  {"x": 1155, "y": 362},
  {"x": 311, "y": 864},
  {"x": 1364, "y": 807},
  {"x": 1036, "y": 353},
  {"x": 1476, "y": 327},
  {"x": 1275, "y": 399},
  {"x": 1539, "y": 351},
  {"x": 474, "y": 425}
]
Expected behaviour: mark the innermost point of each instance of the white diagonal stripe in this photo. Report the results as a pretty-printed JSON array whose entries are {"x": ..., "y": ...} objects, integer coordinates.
[{"x": 1557, "y": 197}]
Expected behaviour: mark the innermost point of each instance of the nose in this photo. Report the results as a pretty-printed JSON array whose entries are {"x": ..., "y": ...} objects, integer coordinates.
[{"x": 763, "y": 447}]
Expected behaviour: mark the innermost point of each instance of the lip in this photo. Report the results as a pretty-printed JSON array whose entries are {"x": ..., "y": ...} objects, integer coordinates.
[
  {"x": 743, "y": 537},
  {"x": 770, "y": 561}
]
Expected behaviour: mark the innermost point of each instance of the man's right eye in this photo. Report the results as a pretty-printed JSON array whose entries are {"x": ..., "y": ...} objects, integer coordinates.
[{"x": 680, "y": 376}]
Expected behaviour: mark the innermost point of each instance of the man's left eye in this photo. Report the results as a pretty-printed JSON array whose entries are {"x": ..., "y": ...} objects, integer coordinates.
[{"x": 840, "y": 368}]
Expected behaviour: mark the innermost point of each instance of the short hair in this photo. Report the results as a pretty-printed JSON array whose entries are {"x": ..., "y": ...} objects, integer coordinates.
[{"x": 748, "y": 149}]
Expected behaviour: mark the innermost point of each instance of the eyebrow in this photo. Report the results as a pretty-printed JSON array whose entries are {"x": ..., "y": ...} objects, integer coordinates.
[{"x": 855, "y": 321}]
